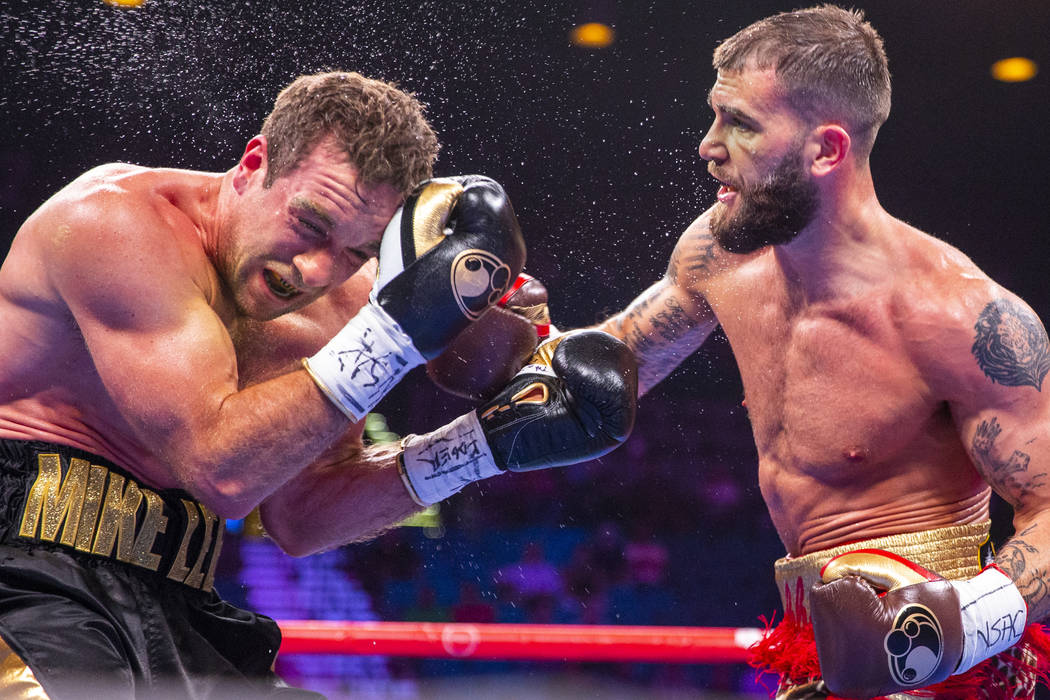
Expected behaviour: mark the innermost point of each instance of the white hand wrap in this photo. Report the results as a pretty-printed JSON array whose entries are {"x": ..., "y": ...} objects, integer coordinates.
[
  {"x": 438, "y": 464},
  {"x": 363, "y": 361},
  {"x": 993, "y": 616}
]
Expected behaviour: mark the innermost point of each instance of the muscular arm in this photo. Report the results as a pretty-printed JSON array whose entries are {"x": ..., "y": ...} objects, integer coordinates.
[
  {"x": 351, "y": 492},
  {"x": 667, "y": 322},
  {"x": 139, "y": 290},
  {"x": 1005, "y": 422}
]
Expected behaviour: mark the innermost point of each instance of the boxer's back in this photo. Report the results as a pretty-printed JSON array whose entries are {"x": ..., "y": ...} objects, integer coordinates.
[{"x": 855, "y": 437}]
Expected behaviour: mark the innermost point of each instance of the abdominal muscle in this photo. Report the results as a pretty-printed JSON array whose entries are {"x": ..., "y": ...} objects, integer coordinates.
[{"x": 819, "y": 507}]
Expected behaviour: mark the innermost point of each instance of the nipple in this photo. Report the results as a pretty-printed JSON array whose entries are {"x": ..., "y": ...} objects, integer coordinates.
[{"x": 855, "y": 454}]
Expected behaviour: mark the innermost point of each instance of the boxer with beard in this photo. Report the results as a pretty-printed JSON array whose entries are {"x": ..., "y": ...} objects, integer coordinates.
[
  {"x": 772, "y": 212},
  {"x": 890, "y": 383}
]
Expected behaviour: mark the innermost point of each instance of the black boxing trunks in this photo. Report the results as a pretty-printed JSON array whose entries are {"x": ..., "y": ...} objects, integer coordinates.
[
  {"x": 106, "y": 588},
  {"x": 959, "y": 552}
]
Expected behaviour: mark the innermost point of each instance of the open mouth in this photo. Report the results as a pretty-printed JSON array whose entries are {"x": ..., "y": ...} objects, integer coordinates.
[
  {"x": 725, "y": 193},
  {"x": 279, "y": 286},
  {"x": 727, "y": 190}
]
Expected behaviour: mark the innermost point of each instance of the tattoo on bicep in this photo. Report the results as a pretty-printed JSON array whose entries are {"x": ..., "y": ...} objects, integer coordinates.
[
  {"x": 1011, "y": 474},
  {"x": 699, "y": 258},
  {"x": 1011, "y": 345}
]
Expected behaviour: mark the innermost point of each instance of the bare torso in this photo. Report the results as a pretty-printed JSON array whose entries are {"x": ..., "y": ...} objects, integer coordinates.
[
  {"x": 62, "y": 398},
  {"x": 845, "y": 383},
  {"x": 852, "y": 440}
]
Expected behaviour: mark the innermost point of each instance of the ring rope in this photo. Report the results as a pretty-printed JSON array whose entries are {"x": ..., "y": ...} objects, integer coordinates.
[{"x": 520, "y": 641}]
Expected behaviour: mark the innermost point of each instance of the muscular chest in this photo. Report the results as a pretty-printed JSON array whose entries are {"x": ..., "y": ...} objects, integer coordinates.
[{"x": 826, "y": 385}]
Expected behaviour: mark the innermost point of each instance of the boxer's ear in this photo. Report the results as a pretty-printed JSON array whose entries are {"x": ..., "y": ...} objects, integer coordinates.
[
  {"x": 251, "y": 165},
  {"x": 832, "y": 146}
]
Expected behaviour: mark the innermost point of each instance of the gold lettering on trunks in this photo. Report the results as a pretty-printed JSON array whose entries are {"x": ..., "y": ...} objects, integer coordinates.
[
  {"x": 117, "y": 523},
  {"x": 209, "y": 580},
  {"x": 55, "y": 502},
  {"x": 96, "y": 486},
  {"x": 179, "y": 570},
  {"x": 154, "y": 524},
  {"x": 97, "y": 511},
  {"x": 196, "y": 576}
]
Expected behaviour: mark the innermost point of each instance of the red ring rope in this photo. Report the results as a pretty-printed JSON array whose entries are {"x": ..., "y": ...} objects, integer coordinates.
[{"x": 507, "y": 641}]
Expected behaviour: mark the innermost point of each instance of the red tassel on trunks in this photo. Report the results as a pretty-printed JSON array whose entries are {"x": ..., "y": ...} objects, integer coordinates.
[{"x": 788, "y": 649}]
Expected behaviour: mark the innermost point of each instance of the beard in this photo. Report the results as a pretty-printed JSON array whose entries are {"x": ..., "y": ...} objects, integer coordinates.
[{"x": 770, "y": 213}]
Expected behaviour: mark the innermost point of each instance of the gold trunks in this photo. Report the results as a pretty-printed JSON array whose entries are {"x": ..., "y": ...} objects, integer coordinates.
[
  {"x": 98, "y": 511},
  {"x": 955, "y": 552}
]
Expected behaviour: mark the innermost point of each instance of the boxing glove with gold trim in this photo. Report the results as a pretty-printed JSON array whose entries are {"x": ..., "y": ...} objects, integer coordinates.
[
  {"x": 574, "y": 401},
  {"x": 884, "y": 624},
  {"x": 447, "y": 255}
]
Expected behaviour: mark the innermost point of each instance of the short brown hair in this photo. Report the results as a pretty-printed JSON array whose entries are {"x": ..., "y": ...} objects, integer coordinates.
[
  {"x": 380, "y": 127},
  {"x": 829, "y": 61}
]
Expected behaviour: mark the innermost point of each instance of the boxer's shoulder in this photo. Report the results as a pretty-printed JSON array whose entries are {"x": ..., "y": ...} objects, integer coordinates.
[
  {"x": 697, "y": 258},
  {"x": 124, "y": 206},
  {"x": 951, "y": 315},
  {"x": 118, "y": 232}
]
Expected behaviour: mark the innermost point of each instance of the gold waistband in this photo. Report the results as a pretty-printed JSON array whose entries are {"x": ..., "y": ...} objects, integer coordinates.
[{"x": 952, "y": 552}]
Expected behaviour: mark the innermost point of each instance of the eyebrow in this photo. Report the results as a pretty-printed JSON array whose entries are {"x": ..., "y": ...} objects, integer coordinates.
[
  {"x": 314, "y": 208},
  {"x": 733, "y": 111}
]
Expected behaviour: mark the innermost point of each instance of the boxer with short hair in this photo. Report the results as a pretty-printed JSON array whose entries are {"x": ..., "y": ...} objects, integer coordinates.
[
  {"x": 891, "y": 385},
  {"x": 147, "y": 318}
]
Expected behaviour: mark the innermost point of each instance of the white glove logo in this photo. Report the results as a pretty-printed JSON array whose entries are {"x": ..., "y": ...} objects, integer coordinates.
[
  {"x": 479, "y": 279},
  {"x": 914, "y": 645}
]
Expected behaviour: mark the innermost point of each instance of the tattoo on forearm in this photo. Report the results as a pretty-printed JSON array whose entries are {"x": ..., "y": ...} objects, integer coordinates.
[
  {"x": 1011, "y": 345},
  {"x": 639, "y": 307},
  {"x": 639, "y": 343},
  {"x": 1011, "y": 475},
  {"x": 670, "y": 320},
  {"x": 651, "y": 332},
  {"x": 1030, "y": 580}
]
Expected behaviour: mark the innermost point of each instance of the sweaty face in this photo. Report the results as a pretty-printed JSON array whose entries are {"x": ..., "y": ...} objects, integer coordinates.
[
  {"x": 304, "y": 234},
  {"x": 755, "y": 148},
  {"x": 770, "y": 212}
]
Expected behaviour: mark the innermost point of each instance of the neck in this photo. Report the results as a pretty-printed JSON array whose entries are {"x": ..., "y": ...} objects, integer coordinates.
[
  {"x": 211, "y": 210},
  {"x": 838, "y": 245}
]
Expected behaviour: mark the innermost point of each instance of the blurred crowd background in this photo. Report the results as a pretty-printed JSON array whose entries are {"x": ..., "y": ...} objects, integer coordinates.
[{"x": 597, "y": 149}]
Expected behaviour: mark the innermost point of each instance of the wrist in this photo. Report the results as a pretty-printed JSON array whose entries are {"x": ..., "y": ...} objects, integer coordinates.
[
  {"x": 993, "y": 616},
  {"x": 436, "y": 465},
  {"x": 357, "y": 367}
]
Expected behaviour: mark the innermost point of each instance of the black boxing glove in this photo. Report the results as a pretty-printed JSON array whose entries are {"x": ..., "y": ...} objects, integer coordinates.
[
  {"x": 574, "y": 401},
  {"x": 448, "y": 254},
  {"x": 884, "y": 624},
  {"x": 489, "y": 352}
]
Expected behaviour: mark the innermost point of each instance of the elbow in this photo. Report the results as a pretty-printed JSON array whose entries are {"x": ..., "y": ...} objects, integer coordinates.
[
  {"x": 228, "y": 499},
  {"x": 281, "y": 527},
  {"x": 227, "y": 508}
]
